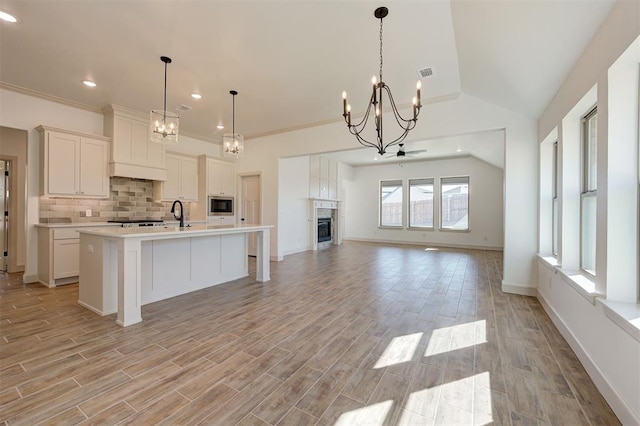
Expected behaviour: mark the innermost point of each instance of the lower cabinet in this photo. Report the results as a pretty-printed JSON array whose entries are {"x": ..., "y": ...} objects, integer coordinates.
[
  {"x": 221, "y": 220},
  {"x": 58, "y": 256}
]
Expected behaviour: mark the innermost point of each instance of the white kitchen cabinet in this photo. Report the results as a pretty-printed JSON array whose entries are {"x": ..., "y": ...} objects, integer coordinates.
[
  {"x": 133, "y": 154},
  {"x": 221, "y": 178},
  {"x": 59, "y": 253},
  {"x": 182, "y": 179},
  {"x": 73, "y": 164},
  {"x": 66, "y": 256},
  {"x": 221, "y": 220}
]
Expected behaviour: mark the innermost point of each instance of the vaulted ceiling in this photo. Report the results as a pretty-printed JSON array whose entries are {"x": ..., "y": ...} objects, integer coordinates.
[{"x": 290, "y": 60}]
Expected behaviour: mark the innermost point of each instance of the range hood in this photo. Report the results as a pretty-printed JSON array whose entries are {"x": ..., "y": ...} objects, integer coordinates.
[{"x": 133, "y": 155}]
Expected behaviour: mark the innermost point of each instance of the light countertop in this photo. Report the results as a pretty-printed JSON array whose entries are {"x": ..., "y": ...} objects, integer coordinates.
[{"x": 172, "y": 231}]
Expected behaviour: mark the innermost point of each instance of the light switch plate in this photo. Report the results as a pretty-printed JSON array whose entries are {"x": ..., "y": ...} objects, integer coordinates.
[{"x": 88, "y": 212}]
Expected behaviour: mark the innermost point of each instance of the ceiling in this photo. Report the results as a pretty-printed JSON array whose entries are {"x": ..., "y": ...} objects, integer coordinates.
[{"x": 290, "y": 60}]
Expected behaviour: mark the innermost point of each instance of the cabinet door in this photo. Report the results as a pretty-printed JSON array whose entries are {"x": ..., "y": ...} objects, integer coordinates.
[
  {"x": 94, "y": 173},
  {"x": 66, "y": 258},
  {"x": 324, "y": 188},
  {"x": 324, "y": 168},
  {"x": 62, "y": 164},
  {"x": 228, "y": 179},
  {"x": 214, "y": 178},
  {"x": 189, "y": 179},
  {"x": 314, "y": 187},
  {"x": 171, "y": 187},
  {"x": 333, "y": 190}
]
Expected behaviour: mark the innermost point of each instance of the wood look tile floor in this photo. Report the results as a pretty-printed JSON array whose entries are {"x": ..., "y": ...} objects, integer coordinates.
[{"x": 357, "y": 334}]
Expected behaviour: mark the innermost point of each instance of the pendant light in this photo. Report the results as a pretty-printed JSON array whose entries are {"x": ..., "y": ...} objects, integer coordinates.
[
  {"x": 163, "y": 124},
  {"x": 376, "y": 104},
  {"x": 233, "y": 143}
]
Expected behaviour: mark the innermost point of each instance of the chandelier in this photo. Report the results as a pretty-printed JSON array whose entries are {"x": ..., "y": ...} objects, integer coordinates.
[
  {"x": 376, "y": 105},
  {"x": 233, "y": 143},
  {"x": 164, "y": 124}
]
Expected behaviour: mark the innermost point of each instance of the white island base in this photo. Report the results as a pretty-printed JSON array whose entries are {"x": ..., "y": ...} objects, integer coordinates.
[{"x": 122, "y": 269}]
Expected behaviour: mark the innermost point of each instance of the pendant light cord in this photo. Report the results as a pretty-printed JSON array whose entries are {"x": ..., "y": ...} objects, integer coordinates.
[
  {"x": 233, "y": 119},
  {"x": 164, "y": 108}
]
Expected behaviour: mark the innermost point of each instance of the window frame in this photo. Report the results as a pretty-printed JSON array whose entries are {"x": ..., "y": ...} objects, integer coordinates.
[
  {"x": 441, "y": 201},
  {"x": 586, "y": 190},
  {"x": 396, "y": 182},
  {"x": 433, "y": 200},
  {"x": 555, "y": 208}
]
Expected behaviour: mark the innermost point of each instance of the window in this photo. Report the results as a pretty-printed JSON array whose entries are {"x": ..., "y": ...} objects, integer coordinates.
[
  {"x": 554, "y": 181},
  {"x": 421, "y": 203},
  {"x": 454, "y": 205},
  {"x": 391, "y": 203},
  {"x": 588, "y": 196}
]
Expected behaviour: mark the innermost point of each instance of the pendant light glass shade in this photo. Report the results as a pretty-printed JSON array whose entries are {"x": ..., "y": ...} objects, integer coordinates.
[
  {"x": 233, "y": 143},
  {"x": 163, "y": 125}
]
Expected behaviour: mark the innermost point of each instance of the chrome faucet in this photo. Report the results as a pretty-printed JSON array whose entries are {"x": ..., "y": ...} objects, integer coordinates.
[{"x": 181, "y": 217}]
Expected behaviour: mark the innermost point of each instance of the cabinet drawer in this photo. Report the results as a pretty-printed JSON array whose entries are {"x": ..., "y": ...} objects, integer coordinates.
[{"x": 65, "y": 234}]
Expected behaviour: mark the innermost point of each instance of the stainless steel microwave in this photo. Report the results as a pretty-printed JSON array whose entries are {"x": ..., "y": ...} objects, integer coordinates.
[{"x": 220, "y": 206}]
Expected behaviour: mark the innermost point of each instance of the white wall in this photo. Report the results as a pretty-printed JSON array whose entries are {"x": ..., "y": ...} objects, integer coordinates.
[
  {"x": 465, "y": 114},
  {"x": 485, "y": 203},
  {"x": 294, "y": 205},
  {"x": 25, "y": 112},
  {"x": 610, "y": 354}
]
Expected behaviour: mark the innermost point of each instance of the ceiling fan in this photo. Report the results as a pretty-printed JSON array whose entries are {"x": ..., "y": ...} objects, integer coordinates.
[{"x": 402, "y": 153}]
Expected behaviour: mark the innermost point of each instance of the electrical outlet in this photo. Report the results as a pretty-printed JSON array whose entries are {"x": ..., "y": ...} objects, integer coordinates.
[
  {"x": 90, "y": 248},
  {"x": 87, "y": 212}
]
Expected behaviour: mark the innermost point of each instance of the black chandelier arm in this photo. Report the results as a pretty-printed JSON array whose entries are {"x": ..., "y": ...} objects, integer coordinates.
[{"x": 410, "y": 122}]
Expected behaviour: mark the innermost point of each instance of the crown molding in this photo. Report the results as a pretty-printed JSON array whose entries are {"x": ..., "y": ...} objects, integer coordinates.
[{"x": 50, "y": 98}]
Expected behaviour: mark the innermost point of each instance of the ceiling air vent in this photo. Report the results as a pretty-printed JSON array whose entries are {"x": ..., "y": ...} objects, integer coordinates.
[
  {"x": 425, "y": 72},
  {"x": 183, "y": 108}
]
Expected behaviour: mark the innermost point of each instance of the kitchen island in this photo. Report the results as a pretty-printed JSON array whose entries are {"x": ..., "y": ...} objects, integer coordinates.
[{"x": 122, "y": 269}]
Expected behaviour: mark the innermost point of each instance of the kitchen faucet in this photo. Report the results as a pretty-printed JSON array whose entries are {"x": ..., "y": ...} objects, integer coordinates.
[{"x": 181, "y": 217}]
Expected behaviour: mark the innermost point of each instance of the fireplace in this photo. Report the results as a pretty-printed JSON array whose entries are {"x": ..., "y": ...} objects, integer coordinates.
[{"x": 324, "y": 229}]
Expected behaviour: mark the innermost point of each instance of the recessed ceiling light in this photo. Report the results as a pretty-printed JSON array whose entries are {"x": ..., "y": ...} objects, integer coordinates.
[
  {"x": 196, "y": 96},
  {"x": 7, "y": 17},
  {"x": 375, "y": 158},
  {"x": 219, "y": 127},
  {"x": 89, "y": 83},
  {"x": 458, "y": 149}
]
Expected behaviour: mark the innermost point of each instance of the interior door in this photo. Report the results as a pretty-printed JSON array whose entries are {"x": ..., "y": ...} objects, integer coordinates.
[
  {"x": 4, "y": 209},
  {"x": 251, "y": 207}
]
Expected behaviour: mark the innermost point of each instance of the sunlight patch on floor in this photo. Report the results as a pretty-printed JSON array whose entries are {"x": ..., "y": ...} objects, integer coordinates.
[
  {"x": 400, "y": 349},
  {"x": 374, "y": 414},
  {"x": 456, "y": 337},
  {"x": 468, "y": 398}
]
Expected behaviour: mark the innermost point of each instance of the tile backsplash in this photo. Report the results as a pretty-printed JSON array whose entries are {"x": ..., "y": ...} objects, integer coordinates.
[{"x": 128, "y": 198}]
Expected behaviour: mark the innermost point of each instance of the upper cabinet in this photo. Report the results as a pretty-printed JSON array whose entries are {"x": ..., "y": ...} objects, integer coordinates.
[
  {"x": 323, "y": 178},
  {"x": 73, "y": 164},
  {"x": 221, "y": 178},
  {"x": 132, "y": 152},
  {"x": 182, "y": 179}
]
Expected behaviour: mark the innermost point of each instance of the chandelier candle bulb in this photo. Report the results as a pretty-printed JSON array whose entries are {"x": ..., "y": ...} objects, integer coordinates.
[{"x": 344, "y": 103}]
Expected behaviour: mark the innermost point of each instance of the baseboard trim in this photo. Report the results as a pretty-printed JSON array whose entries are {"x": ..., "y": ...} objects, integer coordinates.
[
  {"x": 94, "y": 310},
  {"x": 424, "y": 243},
  {"x": 30, "y": 278},
  {"x": 618, "y": 405},
  {"x": 520, "y": 289}
]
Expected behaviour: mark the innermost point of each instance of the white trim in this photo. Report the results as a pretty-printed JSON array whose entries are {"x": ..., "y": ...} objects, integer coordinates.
[
  {"x": 94, "y": 310},
  {"x": 30, "y": 279},
  {"x": 583, "y": 285},
  {"x": 625, "y": 315},
  {"x": 617, "y": 403},
  {"x": 424, "y": 243},
  {"x": 515, "y": 288}
]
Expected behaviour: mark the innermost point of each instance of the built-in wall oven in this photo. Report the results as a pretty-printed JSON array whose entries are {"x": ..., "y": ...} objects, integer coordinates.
[{"x": 220, "y": 206}]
